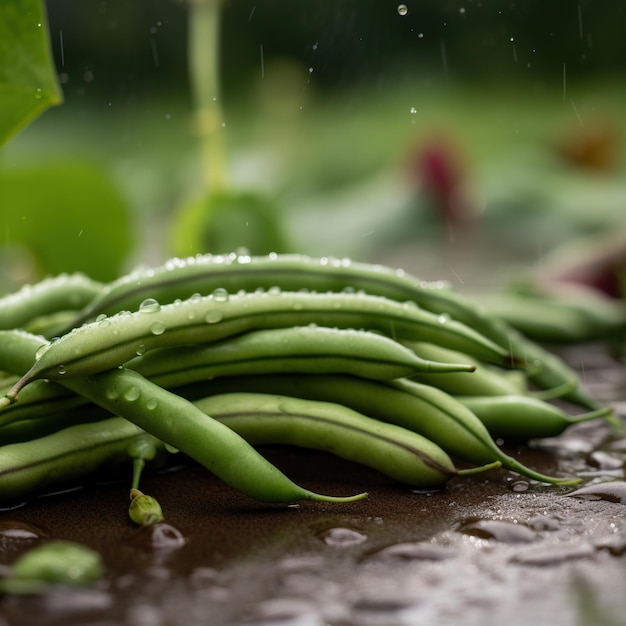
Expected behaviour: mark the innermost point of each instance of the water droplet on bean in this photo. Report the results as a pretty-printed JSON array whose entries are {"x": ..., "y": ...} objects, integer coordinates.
[
  {"x": 220, "y": 295},
  {"x": 149, "y": 305},
  {"x": 132, "y": 393},
  {"x": 158, "y": 328},
  {"x": 213, "y": 317},
  {"x": 152, "y": 404},
  {"x": 141, "y": 349},
  {"x": 41, "y": 351},
  {"x": 61, "y": 370}
]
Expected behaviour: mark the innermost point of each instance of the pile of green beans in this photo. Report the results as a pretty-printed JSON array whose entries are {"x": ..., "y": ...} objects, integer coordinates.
[{"x": 215, "y": 356}]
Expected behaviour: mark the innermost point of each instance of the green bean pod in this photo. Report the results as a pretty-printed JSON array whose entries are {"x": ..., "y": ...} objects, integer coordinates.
[
  {"x": 426, "y": 410},
  {"x": 69, "y": 456},
  {"x": 559, "y": 318},
  {"x": 308, "y": 349},
  {"x": 178, "y": 423},
  {"x": 113, "y": 341},
  {"x": 396, "y": 452},
  {"x": 64, "y": 292},
  {"x": 179, "y": 278},
  {"x": 525, "y": 417},
  {"x": 485, "y": 380}
]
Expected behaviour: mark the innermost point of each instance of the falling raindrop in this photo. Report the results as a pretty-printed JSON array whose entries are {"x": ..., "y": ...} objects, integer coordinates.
[{"x": 402, "y": 9}]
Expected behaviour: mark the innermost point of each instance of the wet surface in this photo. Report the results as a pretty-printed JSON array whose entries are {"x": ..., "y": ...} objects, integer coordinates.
[{"x": 488, "y": 549}]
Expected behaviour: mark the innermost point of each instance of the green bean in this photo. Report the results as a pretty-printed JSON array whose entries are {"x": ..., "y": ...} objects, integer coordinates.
[
  {"x": 178, "y": 423},
  {"x": 396, "y": 452},
  {"x": 484, "y": 380},
  {"x": 179, "y": 278},
  {"x": 308, "y": 349},
  {"x": 559, "y": 318},
  {"x": 113, "y": 341},
  {"x": 26, "y": 428},
  {"x": 51, "y": 295},
  {"x": 525, "y": 417},
  {"x": 68, "y": 455},
  {"x": 420, "y": 408}
]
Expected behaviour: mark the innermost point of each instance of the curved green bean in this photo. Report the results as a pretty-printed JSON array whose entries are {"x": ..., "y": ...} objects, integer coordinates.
[
  {"x": 421, "y": 408},
  {"x": 69, "y": 455},
  {"x": 64, "y": 292},
  {"x": 525, "y": 417},
  {"x": 308, "y": 349},
  {"x": 485, "y": 380},
  {"x": 396, "y": 452}
]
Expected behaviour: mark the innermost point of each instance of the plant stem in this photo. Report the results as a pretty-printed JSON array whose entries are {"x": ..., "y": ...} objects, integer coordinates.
[{"x": 203, "y": 60}]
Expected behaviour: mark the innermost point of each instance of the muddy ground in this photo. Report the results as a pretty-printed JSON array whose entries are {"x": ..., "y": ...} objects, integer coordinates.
[{"x": 486, "y": 550}]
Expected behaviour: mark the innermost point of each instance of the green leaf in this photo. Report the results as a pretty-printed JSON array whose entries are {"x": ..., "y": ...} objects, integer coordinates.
[
  {"x": 28, "y": 80},
  {"x": 226, "y": 221},
  {"x": 68, "y": 217}
]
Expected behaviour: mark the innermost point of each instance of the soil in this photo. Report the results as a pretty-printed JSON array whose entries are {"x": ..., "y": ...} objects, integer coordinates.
[{"x": 488, "y": 549}]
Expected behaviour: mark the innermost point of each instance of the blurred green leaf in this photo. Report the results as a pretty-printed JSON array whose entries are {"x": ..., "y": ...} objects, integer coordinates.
[
  {"x": 69, "y": 217},
  {"x": 224, "y": 222},
  {"x": 28, "y": 81}
]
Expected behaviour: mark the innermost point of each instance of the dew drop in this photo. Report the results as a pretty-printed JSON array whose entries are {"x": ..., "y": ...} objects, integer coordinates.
[
  {"x": 152, "y": 404},
  {"x": 443, "y": 318},
  {"x": 41, "y": 351},
  {"x": 158, "y": 328},
  {"x": 132, "y": 393},
  {"x": 149, "y": 305},
  {"x": 402, "y": 9},
  {"x": 413, "y": 110},
  {"x": 61, "y": 370},
  {"x": 112, "y": 394},
  {"x": 213, "y": 317},
  {"x": 141, "y": 349},
  {"x": 220, "y": 295}
]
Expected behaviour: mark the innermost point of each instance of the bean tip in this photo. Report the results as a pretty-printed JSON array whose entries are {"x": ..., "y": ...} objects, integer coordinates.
[{"x": 324, "y": 498}]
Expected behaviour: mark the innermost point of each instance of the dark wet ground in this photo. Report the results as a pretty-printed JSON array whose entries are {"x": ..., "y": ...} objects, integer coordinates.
[{"x": 489, "y": 549}]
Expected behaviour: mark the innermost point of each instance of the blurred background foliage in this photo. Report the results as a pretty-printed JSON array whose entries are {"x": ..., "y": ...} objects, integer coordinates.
[{"x": 441, "y": 138}]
